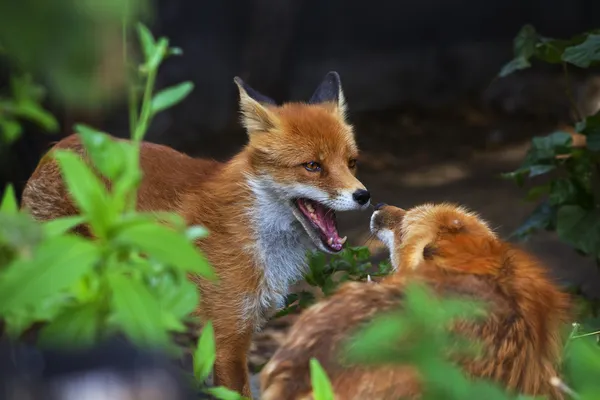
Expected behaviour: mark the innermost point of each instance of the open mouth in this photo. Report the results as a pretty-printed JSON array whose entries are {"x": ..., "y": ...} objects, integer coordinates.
[{"x": 322, "y": 221}]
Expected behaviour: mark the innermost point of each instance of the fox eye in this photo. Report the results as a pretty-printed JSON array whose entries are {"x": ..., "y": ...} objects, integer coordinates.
[
  {"x": 312, "y": 166},
  {"x": 352, "y": 164}
]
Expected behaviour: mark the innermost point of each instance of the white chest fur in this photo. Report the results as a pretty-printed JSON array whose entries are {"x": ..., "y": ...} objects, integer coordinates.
[{"x": 280, "y": 251}]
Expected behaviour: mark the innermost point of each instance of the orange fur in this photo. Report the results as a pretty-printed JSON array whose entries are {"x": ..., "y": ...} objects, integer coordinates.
[
  {"x": 227, "y": 198},
  {"x": 456, "y": 253}
]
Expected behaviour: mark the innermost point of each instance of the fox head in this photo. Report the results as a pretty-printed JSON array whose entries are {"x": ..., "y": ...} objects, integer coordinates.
[
  {"x": 419, "y": 233},
  {"x": 303, "y": 155}
]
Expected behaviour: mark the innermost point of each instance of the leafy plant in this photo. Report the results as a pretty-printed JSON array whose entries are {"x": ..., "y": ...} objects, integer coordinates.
[
  {"x": 132, "y": 278},
  {"x": 23, "y": 104},
  {"x": 75, "y": 47},
  {"x": 569, "y": 203},
  {"x": 328, "y": 272}
]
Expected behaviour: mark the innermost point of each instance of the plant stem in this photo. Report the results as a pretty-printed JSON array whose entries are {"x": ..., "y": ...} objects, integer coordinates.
[
  {"x": 145, "y": 116},
  {"x": 586, "y": 334},
  {"x": 569, "y": 92}
]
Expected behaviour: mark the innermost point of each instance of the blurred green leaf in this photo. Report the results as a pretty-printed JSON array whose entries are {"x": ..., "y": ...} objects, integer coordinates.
[
  {"x": 321, "y": 385},
  {"x": 514, "y": 65},
  {"x": 205, "y": 354},
  {"x": 105, "y": 153},
  {"x": 585, "y": 54},
  {"x": 9, "y": 202},
  {"x": 222, "y": 393},
  {"x": 88, "y": 192},
  {"x": 75, "y": 327},
  {"x": 59, "y": 226},
  {"x": 177, "y": 301},
  {"x": 11, "y": 130},
  {"x": 580, "y": 228},
  {"x": 169, "y": 97},
  {"x": 147, "y": 41},
  {"x": 56, "y": 264},
  {"x": 136, "y": 312},
  {"x": 35, "y": 113},
  {"x": 194, "y": 233},
  {"x": 543, "y": 217},
  {"x": 166, "y": 246},
  {"x": 158, "y": 55}
]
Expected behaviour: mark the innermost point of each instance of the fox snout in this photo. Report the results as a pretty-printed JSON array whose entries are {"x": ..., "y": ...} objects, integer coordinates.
[{"x": 386, "y": 217}]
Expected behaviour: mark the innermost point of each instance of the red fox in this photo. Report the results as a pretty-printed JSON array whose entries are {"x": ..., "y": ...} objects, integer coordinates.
[
  {"x": 456, "y": 253},
  {"x": 265, "y": 208}
]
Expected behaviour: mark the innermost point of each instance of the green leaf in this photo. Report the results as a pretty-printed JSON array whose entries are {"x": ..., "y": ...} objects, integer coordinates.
[
  {"x": 20, "y": 232},
  {"x": 76, "y": 327},
  {"x": 105, "y": 153},
  {"x": 548, "y": 147},
  {"x": 205, "y": 354},
  {"x": 56, "y": 264},
  {"x": 321, "y": 385},
  {"x": 147, "y": 41},
  {"x": 175, "y": 51},
  {"x": 137, "y": 312},
  {"x": 35, "y": 113},
  {"x": 88, "y": 192},
  {"x": 542, "y": 218},
  {"x": 585, "y": 54},
  {"x": 593, "y": 142},
  {"x": 194, "y": 233},
  {"x": 11, "y": 130},
  {"x": 168, "y": 97},
  {"x": 514, "y": 65},
  {"x": 537, "y": 191},
  {"x": 222, "y": 393},
  {"x": 62, "y": 225},
  {"x": 525, "y": 42},
  {"x": 580, "y": 228},
  {"x": 177, "y": 301},
  {"x": 165, "y": 245},
  {"x": 158, "y": 54},
  {"x": 9, "y": 202}
]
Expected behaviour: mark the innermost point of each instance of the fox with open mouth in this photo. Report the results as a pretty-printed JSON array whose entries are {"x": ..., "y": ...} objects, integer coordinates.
[{"x": 265, "y": 208}]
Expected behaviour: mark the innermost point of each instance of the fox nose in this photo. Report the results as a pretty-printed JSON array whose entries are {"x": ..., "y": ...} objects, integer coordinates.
[
  {"x": 361, "y": 196},
  {"x": 379, "y": 206}
]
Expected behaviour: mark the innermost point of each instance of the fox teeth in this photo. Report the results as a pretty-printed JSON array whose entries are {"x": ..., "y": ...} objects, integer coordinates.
[
  {"x": 330, "y": 241},
  {"x": 310, "y": 208},
  {"x": 343, "y": 240}
]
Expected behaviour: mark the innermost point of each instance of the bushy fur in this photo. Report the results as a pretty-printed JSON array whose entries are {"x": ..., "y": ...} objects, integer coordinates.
[{"x": 456, "y": 253}]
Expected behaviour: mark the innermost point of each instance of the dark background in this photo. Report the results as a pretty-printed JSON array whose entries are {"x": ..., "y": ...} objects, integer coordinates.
[{"x": 432, "y": 120}]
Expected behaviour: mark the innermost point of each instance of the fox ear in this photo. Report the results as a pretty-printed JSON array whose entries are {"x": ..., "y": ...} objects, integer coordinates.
[
  {"x": 255, "y": 116},
  {"x": 330, "y": 91}
]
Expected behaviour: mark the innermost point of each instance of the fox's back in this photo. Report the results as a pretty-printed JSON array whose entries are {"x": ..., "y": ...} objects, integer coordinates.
[{"x": 167, "y": 175}]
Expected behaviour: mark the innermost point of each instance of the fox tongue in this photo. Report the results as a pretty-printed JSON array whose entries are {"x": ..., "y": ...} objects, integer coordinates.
[{"x": 324, "y": 219}]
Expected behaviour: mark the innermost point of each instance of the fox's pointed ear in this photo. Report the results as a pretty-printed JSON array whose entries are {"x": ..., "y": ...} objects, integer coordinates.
[
  {"x": 330, "y": 91},
  {"x": 255, "y": 116}
]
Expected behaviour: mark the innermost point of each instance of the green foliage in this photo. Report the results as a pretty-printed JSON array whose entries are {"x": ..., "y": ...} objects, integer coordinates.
[
  {"x": 204, "y": 358},
  {"x": 569, "y": 202},
  {"x": 23, "y": 104},
  {"x": 75, "y": 46},
  {"x": 322, "y": 389},
  {"x": 581, "y": 50},
  {"x": 328, "y": 272},
  {"x": 132, "y": 278}
]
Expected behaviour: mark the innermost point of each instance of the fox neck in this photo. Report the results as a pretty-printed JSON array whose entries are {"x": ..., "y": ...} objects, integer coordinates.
[
  {"x": 282, "y": 243},
  {"x": 279, "y": 242}
]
